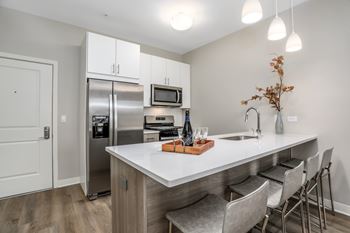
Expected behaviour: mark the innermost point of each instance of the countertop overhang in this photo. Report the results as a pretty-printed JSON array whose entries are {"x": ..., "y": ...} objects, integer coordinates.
[{"x": 172, "y": 169}]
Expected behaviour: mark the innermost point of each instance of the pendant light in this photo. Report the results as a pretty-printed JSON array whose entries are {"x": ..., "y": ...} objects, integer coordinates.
[
  {"x": 294, "y": 42},
  {"x": 252, "y": 12},
  {"x": 277, "y": 29}
]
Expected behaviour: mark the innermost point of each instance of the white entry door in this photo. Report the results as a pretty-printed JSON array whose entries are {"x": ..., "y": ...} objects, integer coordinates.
[{"x": 25, "y": 111}]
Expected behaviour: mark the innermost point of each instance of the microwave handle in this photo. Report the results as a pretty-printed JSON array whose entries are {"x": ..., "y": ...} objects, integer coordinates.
[{"x": 178, "y": 96}]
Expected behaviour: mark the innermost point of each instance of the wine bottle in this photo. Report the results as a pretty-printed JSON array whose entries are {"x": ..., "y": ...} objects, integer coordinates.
[{"x": 187, "y": 130}]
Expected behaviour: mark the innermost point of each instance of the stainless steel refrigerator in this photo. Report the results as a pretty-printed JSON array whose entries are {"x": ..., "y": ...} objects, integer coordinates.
[{"x": 115, "y": 117}]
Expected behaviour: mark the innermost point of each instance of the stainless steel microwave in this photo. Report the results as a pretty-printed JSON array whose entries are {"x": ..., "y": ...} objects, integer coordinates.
[{"x": 166, "y": 95}]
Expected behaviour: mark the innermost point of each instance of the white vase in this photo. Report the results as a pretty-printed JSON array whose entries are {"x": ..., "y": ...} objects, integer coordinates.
[{"x": 279, "y": 129}]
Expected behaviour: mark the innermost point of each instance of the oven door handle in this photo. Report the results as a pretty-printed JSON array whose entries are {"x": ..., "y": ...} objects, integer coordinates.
[{"x": 178, "y": 96}]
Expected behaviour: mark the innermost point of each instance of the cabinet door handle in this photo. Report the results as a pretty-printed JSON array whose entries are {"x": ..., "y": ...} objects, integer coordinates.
[
  {"x": 165, "y": 80},
  {"x": 124, "y": 183},
  {"x": 113, "y": 69},
  {"x": 118, "y": 68}
]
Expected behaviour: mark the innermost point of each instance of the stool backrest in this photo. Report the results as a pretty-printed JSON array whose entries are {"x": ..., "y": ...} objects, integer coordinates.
[
  {"x": 243, "y": 214},
  {"x": 311, "y": 166},
  {"x": 327, "y": 158},
  {"x": 293, "y": 180}
]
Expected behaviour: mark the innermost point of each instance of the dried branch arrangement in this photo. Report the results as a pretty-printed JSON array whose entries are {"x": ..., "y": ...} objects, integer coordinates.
[{"x": 273, "y": 94}]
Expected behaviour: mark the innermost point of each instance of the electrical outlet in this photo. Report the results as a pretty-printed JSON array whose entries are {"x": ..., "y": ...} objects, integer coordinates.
[
  {"x": 63, "y": 119},
  {"x": 292, "y": 118}
]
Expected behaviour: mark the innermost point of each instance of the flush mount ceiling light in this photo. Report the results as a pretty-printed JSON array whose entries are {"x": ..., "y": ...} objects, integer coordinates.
[
  {"x": 252, "y": 11},
  {"x": 294, "y": 42},
  {"x": 277, "y": 29},
  {"x": 181, "y": 22}
]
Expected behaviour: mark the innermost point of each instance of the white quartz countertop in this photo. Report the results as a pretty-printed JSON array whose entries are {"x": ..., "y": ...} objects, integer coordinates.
[{"x": 172, "y": 169}]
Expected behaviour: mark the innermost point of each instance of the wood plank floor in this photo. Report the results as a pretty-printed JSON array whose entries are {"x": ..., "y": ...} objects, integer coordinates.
[
  {"x": 66, "y": 210},
  {"x": 60, "y": 210}
]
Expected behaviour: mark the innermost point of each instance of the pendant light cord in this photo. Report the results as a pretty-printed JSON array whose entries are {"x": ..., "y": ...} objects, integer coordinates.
[
  {"x": 292, "y": 7},
  {"x": 276, "y": 7}
]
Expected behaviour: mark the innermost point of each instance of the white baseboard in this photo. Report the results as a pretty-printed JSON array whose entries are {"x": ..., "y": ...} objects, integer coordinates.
[
  {"x": 339, "y": 207},
  {"x": 67, "y": 182}
]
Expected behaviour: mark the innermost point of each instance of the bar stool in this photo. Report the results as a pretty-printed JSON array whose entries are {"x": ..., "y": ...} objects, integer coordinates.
[
  {"x": 291, "y": 163},
  {"x": 279, "y": 193},
  {"x": 213, "y": 214},
  {"x": 311, "y": 177},
  {"x": 325, "y": 172}
]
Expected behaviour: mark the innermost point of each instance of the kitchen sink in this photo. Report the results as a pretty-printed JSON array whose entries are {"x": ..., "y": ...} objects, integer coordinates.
[{"x": 240, "y": 138}]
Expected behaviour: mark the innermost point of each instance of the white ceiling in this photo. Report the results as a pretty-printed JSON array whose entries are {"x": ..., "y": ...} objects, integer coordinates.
[{"x": 147, "y": 21}]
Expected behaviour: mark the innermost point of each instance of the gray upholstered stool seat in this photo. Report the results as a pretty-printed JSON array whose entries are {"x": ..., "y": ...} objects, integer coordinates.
[
  {"x": 250, "y": 184},
  {"x": 215, "y": 215},
  {"x": 206, "y": 216},
  {"x": 292, "y": 163},
  {"x": 277, "y": 173}
]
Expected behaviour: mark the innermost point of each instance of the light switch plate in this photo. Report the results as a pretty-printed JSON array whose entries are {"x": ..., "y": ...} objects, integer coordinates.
[
  {"x": 63, "y": 119},
  {"x": 292, "y": 118}
]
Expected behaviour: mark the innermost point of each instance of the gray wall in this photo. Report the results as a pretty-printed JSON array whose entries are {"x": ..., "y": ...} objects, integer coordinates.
[
  {"x": 29, "y": 35},
  {"x": 227, "y": 71}
]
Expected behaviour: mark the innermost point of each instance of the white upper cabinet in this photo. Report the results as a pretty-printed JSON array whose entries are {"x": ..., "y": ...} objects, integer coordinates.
[
  {"x": 145, "y": 77},
  {"x": 185, "y": 83},
  {"x": 100, "y": 54},
  {"x": 109, "y": 58},
  {"x": 127, "y": 59},
  {"x": 158, "y": 68},
  {"x": 165, "y": 71},
  {"x": 173, "y": 73}
]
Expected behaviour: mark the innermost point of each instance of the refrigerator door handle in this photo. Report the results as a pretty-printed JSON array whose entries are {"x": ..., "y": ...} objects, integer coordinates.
[
  {"x": 110, "y": 138},
  {"x": 115, "y": 120}
]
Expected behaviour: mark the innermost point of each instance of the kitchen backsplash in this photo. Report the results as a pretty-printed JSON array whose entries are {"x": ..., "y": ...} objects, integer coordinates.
[{"x": 177, "y": 112}]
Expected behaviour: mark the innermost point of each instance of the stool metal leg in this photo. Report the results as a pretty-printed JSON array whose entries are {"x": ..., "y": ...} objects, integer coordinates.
[
  {"x": 170, "y": 227},
  {"x": 307, "y": 211},
  {"x": 330, "y": 191},
  {"x": 266, "y": 220},
  {"x": 302, "y": 212},
  {"x": 318, "y": 205},
  {"x": 283, "y": 217},
  {"x": 323, "y": 205}
]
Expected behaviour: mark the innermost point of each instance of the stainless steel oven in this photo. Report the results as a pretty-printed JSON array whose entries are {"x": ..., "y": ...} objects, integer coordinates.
[{"x": 166, "y": 95}]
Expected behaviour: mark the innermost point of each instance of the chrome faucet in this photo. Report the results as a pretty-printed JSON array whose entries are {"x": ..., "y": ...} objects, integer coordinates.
[{"x": 258, "y": 130}]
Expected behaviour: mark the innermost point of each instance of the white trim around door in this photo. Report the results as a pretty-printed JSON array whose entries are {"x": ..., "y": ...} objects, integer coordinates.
[{"x": 54, "y": 65}]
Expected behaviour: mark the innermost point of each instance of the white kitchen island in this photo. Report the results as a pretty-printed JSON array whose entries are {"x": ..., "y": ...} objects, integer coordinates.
[{"x": 146, "y": 182}]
